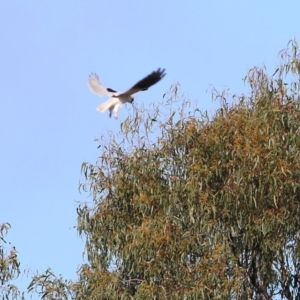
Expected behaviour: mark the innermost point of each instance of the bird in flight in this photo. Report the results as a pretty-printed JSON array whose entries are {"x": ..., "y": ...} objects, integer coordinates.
[{"x": 117, "y": 99}]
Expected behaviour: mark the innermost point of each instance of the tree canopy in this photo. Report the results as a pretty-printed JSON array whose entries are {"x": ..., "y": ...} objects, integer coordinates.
[{"x": 188, "y": 205}]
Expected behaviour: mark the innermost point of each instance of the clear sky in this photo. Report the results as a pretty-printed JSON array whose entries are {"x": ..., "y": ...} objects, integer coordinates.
[{"x": 48, "y": 120}]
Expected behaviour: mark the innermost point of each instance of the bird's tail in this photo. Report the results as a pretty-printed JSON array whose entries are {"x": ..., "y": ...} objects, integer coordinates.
[{"x": 111, "y": 102}]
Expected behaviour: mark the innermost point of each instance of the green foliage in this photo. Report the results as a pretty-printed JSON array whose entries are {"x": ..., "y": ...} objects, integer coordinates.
[
  {"x": 9, "y": 268},
  {"x": 191, "y": 206},
  {"x": 206, "y": 209},
  {"x": 48, "y": 286}
]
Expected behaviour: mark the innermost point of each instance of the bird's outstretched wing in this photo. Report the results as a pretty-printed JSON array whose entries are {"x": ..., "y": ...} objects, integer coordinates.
[
  {"x": 146, "y": 82},
  {"x": 97, "y": 88}
]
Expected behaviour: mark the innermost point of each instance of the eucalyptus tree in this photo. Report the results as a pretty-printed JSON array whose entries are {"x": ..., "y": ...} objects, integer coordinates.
[{"x": 188, "y": 205}]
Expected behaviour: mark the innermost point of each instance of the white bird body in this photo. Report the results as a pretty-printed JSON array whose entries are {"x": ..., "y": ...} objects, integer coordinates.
[
  {"x": 114, "y": 104},
  {"x": 117, "y": 99}
]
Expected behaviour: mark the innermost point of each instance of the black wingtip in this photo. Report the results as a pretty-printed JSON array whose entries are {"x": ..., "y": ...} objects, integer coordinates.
[
  {"x": 162, "y": 72},
  {"x": 150, "y": 80},
  {"x": 159, "y": 74}
]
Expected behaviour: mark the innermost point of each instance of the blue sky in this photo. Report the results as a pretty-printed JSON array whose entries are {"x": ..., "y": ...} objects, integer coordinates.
[{"x": 48, "y": 119}]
